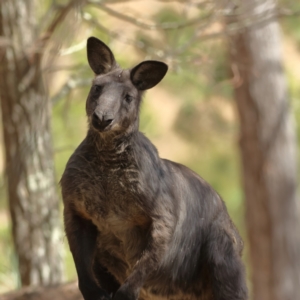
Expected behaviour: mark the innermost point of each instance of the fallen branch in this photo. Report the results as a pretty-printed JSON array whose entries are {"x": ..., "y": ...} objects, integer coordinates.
[{"x": 66, "y": 291}]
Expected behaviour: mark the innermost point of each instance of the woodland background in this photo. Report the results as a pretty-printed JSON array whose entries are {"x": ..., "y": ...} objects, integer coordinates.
[{"x": 229, "y": 108}]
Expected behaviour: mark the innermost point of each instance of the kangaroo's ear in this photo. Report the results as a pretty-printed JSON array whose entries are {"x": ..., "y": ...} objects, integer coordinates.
[
  {"x": 100, "y": 57},
  {"x": 147, "y": 74}
]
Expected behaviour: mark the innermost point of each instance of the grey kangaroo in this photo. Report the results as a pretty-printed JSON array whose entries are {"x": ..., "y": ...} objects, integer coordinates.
[{"x": 138, "y": 226}]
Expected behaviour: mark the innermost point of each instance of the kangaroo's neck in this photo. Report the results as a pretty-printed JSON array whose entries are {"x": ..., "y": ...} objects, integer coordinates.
[{"x": 111, "y": 144}]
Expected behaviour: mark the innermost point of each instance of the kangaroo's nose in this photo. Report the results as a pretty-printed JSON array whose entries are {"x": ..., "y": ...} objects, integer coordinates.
[{"x": 101, "y": 121}]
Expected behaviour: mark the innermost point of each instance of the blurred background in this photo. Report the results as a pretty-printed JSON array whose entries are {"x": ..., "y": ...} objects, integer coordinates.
[{"x": 229, "y": 108}]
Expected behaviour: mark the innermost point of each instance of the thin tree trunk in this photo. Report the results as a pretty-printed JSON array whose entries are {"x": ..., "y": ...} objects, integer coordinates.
[
  {"x": 33, "y": 199},
  {"x": 268, "y": 151}
]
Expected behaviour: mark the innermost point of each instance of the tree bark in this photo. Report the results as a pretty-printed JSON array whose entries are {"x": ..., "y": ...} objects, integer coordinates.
[
  {"x": 268, "y": 152},
  {"x": 33, "y": 199}
]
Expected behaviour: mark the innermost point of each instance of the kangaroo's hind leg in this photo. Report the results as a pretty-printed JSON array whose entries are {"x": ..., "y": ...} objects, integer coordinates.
[{"x": 226, "y": 268}]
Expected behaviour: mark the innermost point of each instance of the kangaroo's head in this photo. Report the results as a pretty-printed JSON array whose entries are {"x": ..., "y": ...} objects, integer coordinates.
[{"x": 115, "y": 96}]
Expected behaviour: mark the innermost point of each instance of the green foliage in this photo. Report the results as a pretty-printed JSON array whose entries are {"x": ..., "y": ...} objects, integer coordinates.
[
  {"x": 173, "y": 38},
  {"x": 69, "y": 128},
  {"x": 9, "y": 278},
  {"x": 294, "y": 91},
  {"x": 148, "y": 123},
  {"x": 291, "y": 24},
  {"x": 70, "y": 270}
]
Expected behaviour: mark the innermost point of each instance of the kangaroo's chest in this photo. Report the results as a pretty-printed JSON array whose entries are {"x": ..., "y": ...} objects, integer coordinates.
[
  {"x": 112, "y": 197},
  {"x": 109, "y": 185},
  {"x": 119, "y": 183}
]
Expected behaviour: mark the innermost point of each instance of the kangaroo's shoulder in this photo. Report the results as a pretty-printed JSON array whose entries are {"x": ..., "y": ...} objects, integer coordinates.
[
  {"x": 144, "y": 149},
  {"x": 80, "y": 165}
]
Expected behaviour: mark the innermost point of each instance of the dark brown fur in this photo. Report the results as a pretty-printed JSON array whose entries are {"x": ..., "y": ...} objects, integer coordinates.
[{"x": 139, "y": 226}]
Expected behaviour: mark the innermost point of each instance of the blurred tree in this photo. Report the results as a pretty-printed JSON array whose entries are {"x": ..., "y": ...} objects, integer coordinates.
[
  {"x": 268, "y": 151},
  {"x": 33, "y": 199}
]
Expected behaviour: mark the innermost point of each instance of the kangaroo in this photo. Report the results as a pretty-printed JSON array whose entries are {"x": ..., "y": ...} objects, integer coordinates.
[{"x": 138, "y": 226}]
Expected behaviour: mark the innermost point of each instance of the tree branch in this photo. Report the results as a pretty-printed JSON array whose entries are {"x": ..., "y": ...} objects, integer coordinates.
[
  {"x": 71, "y": 84},
  {"x": 44, "y": 39},
  {"x": 114, "y": 34},
  {"x": 143, "y": 25},
  {"x": 60, "y": 16},
  {"x": 188, "y": 2}
]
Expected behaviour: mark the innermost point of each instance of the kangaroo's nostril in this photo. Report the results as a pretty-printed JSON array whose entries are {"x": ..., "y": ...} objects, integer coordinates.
[
  {"x": 96, "y": 118},
  {"x": 107, "y": 122},
  {"x": 100, "y": 121}
]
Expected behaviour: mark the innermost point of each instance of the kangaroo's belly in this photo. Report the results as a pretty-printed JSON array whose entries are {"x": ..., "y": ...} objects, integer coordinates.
[{"x": 122, "y": 238}]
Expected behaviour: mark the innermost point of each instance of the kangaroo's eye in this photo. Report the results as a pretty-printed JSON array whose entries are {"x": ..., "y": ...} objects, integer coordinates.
[
  {"x": 96, "y": 91},
  {"x": 128, "y": 98}
]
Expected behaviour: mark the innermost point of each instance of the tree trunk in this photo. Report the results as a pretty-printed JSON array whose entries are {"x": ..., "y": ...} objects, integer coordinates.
[
  {"x": 268, "y": 152},
  {"x": 33, "y": 199}
]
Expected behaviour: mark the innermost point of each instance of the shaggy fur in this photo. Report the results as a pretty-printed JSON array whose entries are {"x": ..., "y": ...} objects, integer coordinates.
[{"x": 139, "y": 226}]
